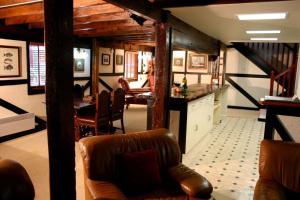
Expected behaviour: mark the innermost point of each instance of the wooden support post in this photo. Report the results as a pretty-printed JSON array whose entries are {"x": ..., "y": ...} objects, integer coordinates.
[
  {"x": 95, "y": 67},
  {"x": 59, "y": 97},
  {"x": 162, "y": 73}
]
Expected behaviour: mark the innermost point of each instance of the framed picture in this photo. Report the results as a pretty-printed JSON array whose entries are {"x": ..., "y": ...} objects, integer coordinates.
[
  {"x": 178, "y": 62},
  {"x": 79, "y": 64},
  {"x": 198, "y": 61},
  {"x": 119, "y": 59},
  {"x": 10, "y": 61},
  {"x": 105, "y": 59}
]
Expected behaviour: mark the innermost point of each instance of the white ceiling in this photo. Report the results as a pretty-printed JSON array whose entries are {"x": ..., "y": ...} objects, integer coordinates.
[{"x": 221, "y": 22}]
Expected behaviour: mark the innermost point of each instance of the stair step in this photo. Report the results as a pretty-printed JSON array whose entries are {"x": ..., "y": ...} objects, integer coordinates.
[{"x": 262, "y": 115}]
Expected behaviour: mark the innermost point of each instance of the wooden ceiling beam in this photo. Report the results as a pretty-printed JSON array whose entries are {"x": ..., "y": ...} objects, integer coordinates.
[
  {"x": 185, "y": 3},
  {"x": 142, "y": 8},
  {"x": 79, "y": 19},
  {"x": 37, "y": 8},
  {"x": 115, "y": 31},
  {"x": 101, "y": 17},
  {"x": 108, "y": 24},
  {"x": 77, "y": 3}
]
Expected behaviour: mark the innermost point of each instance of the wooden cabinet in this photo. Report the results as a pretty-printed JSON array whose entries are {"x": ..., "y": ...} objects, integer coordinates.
[{"x": 193, "y": 116}]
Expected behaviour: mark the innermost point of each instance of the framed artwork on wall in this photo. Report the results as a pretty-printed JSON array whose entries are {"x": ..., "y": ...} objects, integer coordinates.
[
  {"x": 105, "y": 59},
  {"x": 197, "y": 63},
  {"x": 79, "y": 65},
  {"x": 10, "y": 61},
  {"x": 119, "y": 59},
  {"x": 178, "y": 62}
]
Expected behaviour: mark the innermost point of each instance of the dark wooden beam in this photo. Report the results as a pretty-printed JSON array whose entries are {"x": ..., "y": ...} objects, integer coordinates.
[
  {"x": 142, "y": 8},
  {"x": 162, "y": 72},
  {"x": 187, "y": 37},
  {"x": 185, "y": 3},
  {"x": 59, "y": 98},
  {"x": 17, "y": 33},
  {"x": 114, "y": 31}
]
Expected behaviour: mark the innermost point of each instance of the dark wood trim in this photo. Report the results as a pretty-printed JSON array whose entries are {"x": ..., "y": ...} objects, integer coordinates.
[
  {"x": 143, "y": 7},
  {"x": 247, "y": 75},
  {"x": 11, "y": 107},
  {"x": 275, "y": 108},
  {"x": 23, "y": 133},
  {"x": 110, "y": 74},
  {"x": 13, "y": 82},
  {"x": 105, "y": 84},
  {"x": 243, "y": 92},
  {"x": 81, "y": 78},
  {"x": 59, "y": 98},
  {"x": 40, "y": 123},
  {"x": 194, "y": 39},
  {"x": 86, "y": 86},
  {"x": 242, "y": 107},
  {"x": 145, "y": 83}
]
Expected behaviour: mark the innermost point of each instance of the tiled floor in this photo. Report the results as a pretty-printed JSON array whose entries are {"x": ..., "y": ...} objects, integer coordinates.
[{"x": 228, "y": 157}]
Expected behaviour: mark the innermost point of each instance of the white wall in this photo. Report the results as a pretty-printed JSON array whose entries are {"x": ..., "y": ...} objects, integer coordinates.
[
  {"x": 297, "y": 88},
  {"x": 17, "y": 94},
  {"x": 256, "y": 87}
]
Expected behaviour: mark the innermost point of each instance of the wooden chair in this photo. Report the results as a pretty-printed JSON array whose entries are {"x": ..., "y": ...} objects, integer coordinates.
[
  {"x": 133, "y": 93},
  {"x": 118, "y": 107},
  {"x": 98, "y": 119}
]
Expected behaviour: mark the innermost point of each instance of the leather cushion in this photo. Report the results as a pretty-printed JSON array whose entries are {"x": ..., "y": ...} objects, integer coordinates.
[{"x": 139, "y": 172}]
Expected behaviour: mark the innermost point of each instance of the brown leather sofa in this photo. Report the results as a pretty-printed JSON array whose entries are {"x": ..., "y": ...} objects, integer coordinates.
[
  {"x": 101, "y": 169},
  {"x": 279, "y": 170},
  {"x": 15, "y": 183}
]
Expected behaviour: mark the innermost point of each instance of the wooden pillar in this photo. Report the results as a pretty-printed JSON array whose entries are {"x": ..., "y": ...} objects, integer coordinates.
[
  {"x": 95, "y": 67},
  {"x": 162, "y": 76},
  {"x": 59, "y": 97}
]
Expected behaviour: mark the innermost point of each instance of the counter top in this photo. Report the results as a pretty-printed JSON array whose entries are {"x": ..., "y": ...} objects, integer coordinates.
[{"x": 196, "y": 91}]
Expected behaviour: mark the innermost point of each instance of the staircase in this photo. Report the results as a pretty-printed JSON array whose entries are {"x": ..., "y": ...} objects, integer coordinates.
[{"x": 278, "y": 61}]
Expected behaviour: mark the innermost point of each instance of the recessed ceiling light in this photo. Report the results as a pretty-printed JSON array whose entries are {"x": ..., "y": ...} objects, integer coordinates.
[
  {"x": 264, "y": 39},
  {"x": 263, "y": 31},
  {"x": 262, "y": 16}
]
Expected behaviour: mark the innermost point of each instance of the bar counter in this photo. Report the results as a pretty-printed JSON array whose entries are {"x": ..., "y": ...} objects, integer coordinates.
[{"x": 193, "y": 113}]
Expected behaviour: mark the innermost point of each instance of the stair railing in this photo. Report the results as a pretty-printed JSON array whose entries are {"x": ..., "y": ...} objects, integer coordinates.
[
  {"x": 284, "y": 81},
  {"x": 279, "y": 56}
]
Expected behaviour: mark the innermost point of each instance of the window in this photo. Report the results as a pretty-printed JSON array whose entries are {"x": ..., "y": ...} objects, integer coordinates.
[
  {"x": 131, "y": 66},
  {"x": 37, "y": 68}
]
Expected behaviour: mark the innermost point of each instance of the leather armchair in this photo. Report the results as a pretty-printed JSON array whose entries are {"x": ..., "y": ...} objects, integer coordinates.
[
  {"x": 15, "y": 183},
  {"x": 100, "y": 168},
  {"x": 279, "y": 170}
]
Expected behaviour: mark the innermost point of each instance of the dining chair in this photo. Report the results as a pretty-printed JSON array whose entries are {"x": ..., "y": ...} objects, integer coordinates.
[
  {"x": 99, "y": 119},
  {"x": 117, "y": 110}
]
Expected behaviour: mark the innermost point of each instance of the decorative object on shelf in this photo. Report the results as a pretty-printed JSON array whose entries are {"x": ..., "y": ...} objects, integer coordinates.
[
  {"x": 184, "y": 87},
  {"x": 79, "y": 65},
  {"x": 10, "y": 61},
  {"x": 105, "y": 59}
]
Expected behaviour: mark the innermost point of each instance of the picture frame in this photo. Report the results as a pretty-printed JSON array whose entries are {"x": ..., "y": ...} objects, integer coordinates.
[
  {"x": 105, "y": 59},
  {"x": 198, "y": 61},
  {"x": 178, "y": 62},
  {"x": 79, "y": 65},
  {"x": 10, "y": 61},
  {"x": 119, "y": 59}
]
